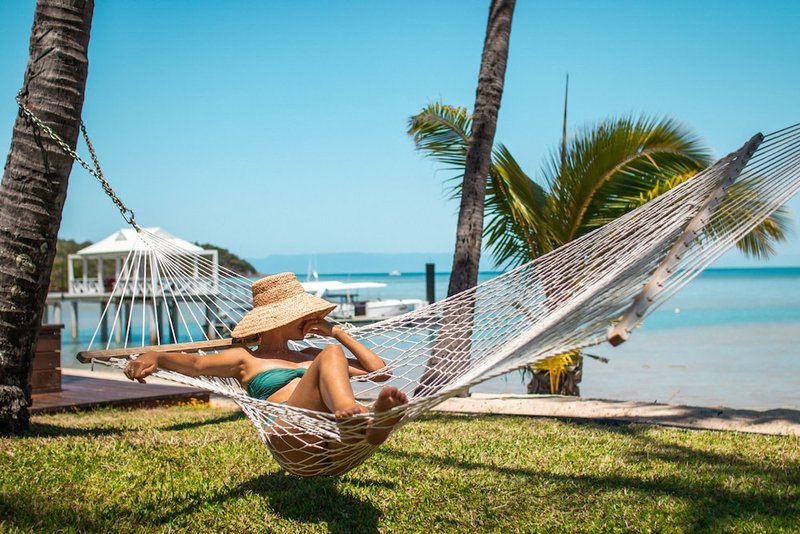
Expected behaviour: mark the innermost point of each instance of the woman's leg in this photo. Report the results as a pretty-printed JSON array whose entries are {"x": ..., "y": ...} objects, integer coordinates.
[{"x": 326, "y": 385}]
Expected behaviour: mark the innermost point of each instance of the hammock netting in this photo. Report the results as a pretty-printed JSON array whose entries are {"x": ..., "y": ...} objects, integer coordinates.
[{"x": 591, "y": 290}]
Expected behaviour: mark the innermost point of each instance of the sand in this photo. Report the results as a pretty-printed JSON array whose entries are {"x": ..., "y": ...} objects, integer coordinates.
[{"x": 783, "y": 422}]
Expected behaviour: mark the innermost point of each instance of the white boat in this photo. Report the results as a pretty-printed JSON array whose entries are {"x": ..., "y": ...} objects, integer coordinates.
[{"x": 351, "y": 308}]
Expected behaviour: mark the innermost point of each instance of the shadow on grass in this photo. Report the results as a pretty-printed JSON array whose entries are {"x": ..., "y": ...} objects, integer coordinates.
[
  {"x": 704, "y": 481},
  {"x": 45, "y": 430},
  {"x": 48, "y": 430},
  {"x": 317, "y": 500},
  {"x": 233, "y": 416},
  {"x": 312, "y": 501}
]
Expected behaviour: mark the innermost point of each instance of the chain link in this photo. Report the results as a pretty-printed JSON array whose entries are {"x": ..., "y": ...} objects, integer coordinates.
[{"x": 95, "y": 170}]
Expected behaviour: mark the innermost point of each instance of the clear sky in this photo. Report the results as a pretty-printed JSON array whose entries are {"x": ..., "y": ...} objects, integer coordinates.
[{"x": 279, "y": 127}]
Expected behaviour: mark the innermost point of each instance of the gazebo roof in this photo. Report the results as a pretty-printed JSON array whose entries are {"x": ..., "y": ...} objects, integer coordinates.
[{"x": 123, "y": 241}]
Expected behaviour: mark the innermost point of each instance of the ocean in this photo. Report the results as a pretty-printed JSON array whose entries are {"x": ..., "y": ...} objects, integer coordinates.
[{"x": 730, "y": 338}]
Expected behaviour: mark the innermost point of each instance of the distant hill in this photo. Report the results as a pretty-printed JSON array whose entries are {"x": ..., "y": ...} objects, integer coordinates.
[
  {"x": 358, "y": 262},
  {"x": 231, "y": 261},
  {"x": 58, "y": 276}
]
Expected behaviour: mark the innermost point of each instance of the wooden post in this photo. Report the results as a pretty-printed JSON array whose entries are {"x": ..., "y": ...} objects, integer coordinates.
[
  {"x": 209, "y": 326},
  {"x": 100, "y": 282},
  {"x": 117, "y": 324},
  {"x": 173, "y": 319},
  {"x": 73, "y": 330},
  {"x": 159, "y": 320},
  {"x": 151, "y": 310},
  {"x": 103, "y": 323},
  {"x": 430, "y": 283}
]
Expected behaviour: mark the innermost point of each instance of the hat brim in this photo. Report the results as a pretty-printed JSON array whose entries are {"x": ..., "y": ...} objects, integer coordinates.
[{"x": 264, "y": 318}]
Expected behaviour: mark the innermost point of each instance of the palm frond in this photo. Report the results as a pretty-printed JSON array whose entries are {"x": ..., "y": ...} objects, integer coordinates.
[
  {"x": 516, "y": 227},
  {"x": 442, "y": 132},
  {"x": 742, "y": 204},
  {"x": 615, "y": 162}
]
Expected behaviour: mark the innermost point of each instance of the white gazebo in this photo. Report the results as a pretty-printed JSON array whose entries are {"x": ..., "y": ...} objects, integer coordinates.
[
  {"x": 118, "y": 271},
  {"x": 97, "y": 278}
]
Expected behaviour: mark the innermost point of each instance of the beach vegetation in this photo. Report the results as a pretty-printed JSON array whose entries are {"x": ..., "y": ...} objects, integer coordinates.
[{"x": 598, "y": 174}]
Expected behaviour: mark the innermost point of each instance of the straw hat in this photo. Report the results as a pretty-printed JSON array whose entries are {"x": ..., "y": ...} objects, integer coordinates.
[{"x": 277, "y": 301}]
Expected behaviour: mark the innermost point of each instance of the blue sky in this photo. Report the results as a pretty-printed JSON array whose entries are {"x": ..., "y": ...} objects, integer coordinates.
[{"x": 279, "y": 127}]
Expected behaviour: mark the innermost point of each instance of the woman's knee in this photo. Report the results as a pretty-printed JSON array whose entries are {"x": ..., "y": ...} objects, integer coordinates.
[{"x": 332, "y": 353}]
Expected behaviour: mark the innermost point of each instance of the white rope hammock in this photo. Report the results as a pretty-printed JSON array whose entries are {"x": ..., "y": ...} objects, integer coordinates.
[{"x": 594, "y": 289}]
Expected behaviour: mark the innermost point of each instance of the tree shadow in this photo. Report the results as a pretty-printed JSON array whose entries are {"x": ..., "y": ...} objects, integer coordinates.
[
  {"x": 305, "y": 500},
  {"x": 26, "y": 515},
  {"x": 46, "y": 430},
  {"x": 233, "y": 416},
  {"x": 700, "y": 478},
  {"x": 317, "y": 500}
]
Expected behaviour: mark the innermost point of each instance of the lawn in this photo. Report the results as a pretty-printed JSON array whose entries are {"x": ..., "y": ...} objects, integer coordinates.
[{"x": 197, "y": 468}]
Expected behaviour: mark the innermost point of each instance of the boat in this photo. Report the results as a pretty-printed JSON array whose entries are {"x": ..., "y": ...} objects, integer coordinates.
[{"x": 349, "y": 307}]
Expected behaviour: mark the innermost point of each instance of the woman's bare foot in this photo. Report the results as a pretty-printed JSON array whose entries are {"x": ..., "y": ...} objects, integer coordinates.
[
  {"x": 349, "y": 412},
  {"x": 388, "y": 398}
]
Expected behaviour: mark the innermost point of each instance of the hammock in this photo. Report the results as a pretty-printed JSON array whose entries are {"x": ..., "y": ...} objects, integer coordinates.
[{"x": 595, "y": 289}]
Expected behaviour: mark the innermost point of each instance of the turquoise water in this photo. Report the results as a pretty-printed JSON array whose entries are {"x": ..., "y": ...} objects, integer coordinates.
[{"x": 730, "y": 338}]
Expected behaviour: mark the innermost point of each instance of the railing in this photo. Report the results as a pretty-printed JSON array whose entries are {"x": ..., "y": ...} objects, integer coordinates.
[{"x": 178, "y": 287}]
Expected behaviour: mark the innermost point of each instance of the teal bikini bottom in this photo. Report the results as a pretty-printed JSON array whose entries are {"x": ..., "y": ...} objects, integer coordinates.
[{"x": 263, "y": 385}]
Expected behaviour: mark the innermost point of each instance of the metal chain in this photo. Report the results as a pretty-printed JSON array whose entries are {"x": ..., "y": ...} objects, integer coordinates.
[{"x": 95, "y": 171}]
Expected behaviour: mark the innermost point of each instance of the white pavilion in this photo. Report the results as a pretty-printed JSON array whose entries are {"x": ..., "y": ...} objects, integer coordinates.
[{"x": 106, "y": 272}]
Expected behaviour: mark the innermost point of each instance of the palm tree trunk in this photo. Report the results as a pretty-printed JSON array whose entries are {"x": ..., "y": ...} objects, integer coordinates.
[
  {"x": 34, "y": 189},
  {"x": 469, "y": 232},
  {"x": 450, "y": 354}
]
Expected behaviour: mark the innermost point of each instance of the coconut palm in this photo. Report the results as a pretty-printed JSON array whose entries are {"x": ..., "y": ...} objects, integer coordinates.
[
  {"x": 34, "y": 189},
  {"x": 476, "y": 164},
  {"x": 602, "y": 172},
  {"x": 478, "y": 152}
]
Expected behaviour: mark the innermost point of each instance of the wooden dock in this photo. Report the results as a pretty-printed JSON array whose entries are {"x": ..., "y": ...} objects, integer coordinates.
[{"x": 79, "y": 392}]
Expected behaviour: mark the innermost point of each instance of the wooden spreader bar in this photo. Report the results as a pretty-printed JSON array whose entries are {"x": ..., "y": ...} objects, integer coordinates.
[{"x": 86, "y": 356}]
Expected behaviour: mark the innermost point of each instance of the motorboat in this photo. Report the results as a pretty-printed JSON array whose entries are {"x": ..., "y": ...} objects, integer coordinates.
[{"x": 349, "y": 307}]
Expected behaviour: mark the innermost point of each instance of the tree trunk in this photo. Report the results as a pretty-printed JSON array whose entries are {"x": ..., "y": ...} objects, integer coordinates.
[
  {"x": 34, "y": 189},
  {"x": 469, "y": 232},
  {"x": 450, "y": 354}
]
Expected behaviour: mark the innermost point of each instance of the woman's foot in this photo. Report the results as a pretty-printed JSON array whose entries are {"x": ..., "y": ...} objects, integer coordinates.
[
  {"x": 388, "y": 398},
  {"x": 349, "y": 412}
]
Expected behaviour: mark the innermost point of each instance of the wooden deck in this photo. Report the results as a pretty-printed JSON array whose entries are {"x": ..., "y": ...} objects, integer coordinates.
[{"x": 81, "y": 393}]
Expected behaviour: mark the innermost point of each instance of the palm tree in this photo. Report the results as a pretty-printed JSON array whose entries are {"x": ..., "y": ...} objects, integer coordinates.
[
  {"x": 478, "y": 154},
  {"x": 601, "y": 173},
  {"x": 34, "y": 188},
  {"x": 477, "y": 160}
]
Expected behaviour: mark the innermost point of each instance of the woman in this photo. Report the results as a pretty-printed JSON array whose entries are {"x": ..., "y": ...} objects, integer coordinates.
[{"x": 314, "y": 379}]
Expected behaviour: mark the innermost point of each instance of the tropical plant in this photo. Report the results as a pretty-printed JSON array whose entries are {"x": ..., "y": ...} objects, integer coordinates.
[
  {"x": 600, "y": 173},
  {"x": 478, "y": 152},
  {"x": 476, "y": 164},
  {"x": 34, "y": 189}
]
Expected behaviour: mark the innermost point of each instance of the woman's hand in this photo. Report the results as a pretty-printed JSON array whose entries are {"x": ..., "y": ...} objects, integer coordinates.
[
  {"x": 320, "y": 327},
  {"x": 142, "y": 367}
]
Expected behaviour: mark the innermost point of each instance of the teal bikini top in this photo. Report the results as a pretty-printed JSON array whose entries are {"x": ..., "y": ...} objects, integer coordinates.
[{"x": 263, "y": 385}]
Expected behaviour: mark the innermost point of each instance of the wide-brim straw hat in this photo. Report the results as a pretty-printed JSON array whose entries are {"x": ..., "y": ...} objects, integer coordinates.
[{"x": 278, "y": 300}]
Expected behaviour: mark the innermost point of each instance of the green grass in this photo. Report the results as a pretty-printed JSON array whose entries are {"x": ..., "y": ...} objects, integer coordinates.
[{"x": 195, "y": 468}]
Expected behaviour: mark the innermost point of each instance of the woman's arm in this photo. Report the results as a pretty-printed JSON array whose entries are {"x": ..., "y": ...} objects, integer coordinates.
[
  {"x": 229, "y": 363},
  {"x": 368, "y": 361}
]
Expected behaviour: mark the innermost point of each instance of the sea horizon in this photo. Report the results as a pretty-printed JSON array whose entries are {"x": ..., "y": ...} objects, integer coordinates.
[{"x": 730, "y": 338}]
